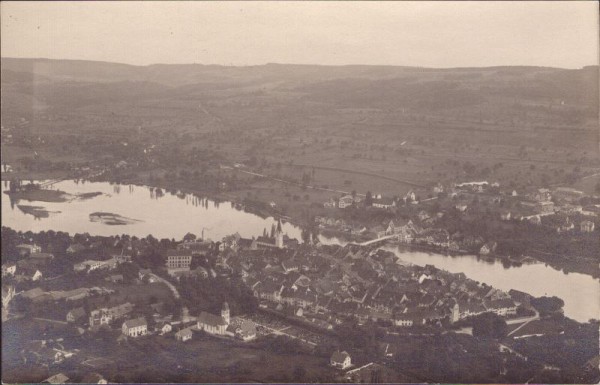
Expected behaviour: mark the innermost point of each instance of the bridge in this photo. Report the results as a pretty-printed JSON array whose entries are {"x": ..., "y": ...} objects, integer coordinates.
[
  {"x": 372, "y": 241},
  {"x": 49, "y": 183}
]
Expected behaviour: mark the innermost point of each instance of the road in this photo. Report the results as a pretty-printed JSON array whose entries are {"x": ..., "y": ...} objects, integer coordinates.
[
  {"x": 367, "y": 243},
  {"x": 294, "y": 183}
]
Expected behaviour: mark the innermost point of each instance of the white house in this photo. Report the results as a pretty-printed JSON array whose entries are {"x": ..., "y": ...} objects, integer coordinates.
[
  {"x": 9, "y": 269},
  {"x": 184, "y": 335},
  {"x": 340, "y": 360},
  {"x": 135, "y": 327}
]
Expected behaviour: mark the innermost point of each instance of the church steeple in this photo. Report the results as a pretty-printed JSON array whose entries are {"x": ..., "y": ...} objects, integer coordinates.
[
  {"x": 225, "y": 312},
  {"x": 279, "y": 235}
]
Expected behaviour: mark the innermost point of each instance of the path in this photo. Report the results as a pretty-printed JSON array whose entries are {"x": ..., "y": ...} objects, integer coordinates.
[
  {"x": 279, "y": 332},
  {"x": 169, "y": 284},
  {"x": 403, "y": 181},
  {"x": 51, "y": 320},
  {"x": 527, "y": 320},
  {"x": 534, "y": 317},
  {"x": 504, "y": 348}
]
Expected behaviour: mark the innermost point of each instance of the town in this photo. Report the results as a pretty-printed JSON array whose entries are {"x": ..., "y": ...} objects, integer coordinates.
[
  {"x": 81, "y": 302},
  {"x": 300, "y": 192}
]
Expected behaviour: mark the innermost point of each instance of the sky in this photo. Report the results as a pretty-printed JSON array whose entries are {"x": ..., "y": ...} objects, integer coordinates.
[{"x": 427, "y": 34}]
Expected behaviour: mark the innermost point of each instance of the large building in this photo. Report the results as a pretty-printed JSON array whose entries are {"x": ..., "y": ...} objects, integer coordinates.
[
  {"x": 135, "y": 327},
  {"x": 179, "y": 259},
  {"x": 214, "y": 324}
]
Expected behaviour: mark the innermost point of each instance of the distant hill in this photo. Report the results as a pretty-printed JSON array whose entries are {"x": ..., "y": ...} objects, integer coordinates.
[{"x": 503, "y": 91}]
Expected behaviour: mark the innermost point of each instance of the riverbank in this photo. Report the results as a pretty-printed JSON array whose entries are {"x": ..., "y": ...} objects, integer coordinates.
[
  {"x": 301, "y": 218},
  {"x": 39, "y": 195}
]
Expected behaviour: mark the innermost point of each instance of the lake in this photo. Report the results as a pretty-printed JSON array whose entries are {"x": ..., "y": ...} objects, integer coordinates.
[{"x": 174, "y": 215}]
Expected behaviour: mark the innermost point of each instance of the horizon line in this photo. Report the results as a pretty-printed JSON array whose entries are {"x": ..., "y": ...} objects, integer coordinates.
[{"x": 296, "y": 64}]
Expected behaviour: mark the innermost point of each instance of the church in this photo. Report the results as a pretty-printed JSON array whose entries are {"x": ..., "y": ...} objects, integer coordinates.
[{"x": 215, "y": 324}]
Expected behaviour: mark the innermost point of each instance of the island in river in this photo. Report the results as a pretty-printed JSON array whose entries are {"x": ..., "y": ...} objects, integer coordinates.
[
  {"x": 112, "y": 219},
  {"x": 37, "y": 211},
  {"x": 39, "y": 195}
]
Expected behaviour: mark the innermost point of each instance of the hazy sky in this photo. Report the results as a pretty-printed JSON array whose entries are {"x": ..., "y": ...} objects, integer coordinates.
[{"x": 436, "y": 34}]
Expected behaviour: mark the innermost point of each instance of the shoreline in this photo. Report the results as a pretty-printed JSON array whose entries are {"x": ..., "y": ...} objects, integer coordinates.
[{"x": 266, "y": 211}]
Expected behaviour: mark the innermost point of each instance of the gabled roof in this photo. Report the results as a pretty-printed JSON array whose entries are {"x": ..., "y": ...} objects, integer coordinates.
[
  {"x": 57, "y": 379},
  {"x": 211, "y": 319},
  {"x": 339, "y": 357},
  {"x": 132, "y": 323},
  {"x": 184, "y": 332},
  {"x": 92, "y": 378}
]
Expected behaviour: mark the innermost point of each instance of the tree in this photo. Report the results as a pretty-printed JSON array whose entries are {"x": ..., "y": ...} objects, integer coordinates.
[
  {"x": 369, "y": 199},
  {"x": 189, "y": 237},
  {"x": 547, "y": 305},
  {"x": 299, "y": 373},
  {"x": 489, "y": 325}
]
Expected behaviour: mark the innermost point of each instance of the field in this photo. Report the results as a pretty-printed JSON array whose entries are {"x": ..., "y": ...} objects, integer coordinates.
[{"x": 515, "y": 125}]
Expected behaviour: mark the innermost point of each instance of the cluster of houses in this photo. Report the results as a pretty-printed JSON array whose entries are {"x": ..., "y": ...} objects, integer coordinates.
[
  {"x": 328, "y": 285},
  {"x": 377, "y": 200}
]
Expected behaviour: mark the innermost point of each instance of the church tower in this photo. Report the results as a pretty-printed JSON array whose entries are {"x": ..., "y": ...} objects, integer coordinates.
[
  {"x": 225, "y": 312},
  {"x": 279, "y": 235}
]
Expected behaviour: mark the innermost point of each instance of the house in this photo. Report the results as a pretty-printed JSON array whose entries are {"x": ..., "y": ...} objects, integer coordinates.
[
  {"x": 331, "y": 203},
  {"x": 135, "y": 327},
  {"x": 28, "y": 274},
  {"x": 104, "y": 316},
  {"x": 75, "y": 248},
  {"x": 164, "y": 328},
  {"x": 462, "y": 207},
  {"x": 115, "y": 278},
  {"x": 41, "y": 258},
  {"x": 93, "y": 378},
  {"x": 340, "y": 360},
  {"x": 501, "y": 307},
  {"x": 8, "y": 293},
  {"x": 410, "y": 197},
  {"x": 384, "y": 203},
  {"x": 9, "y": 269},
  {"x": 289, "y": 266},
  {"x": 505, "y": 215},
  {"x": 76, "y": 314},
  {"x": 25, "y": 249},
  {"x": 567, "y": 226},
  {"x": 184, "y": 334},
  {"x": 214, "y": 324},
  {"x": 488, "y": 248},
  {"x": 56, "y": 379},
  {"x": 585, "y": 226},
  {"x": 345, "y": 201},
  {"x": 91, "y": 265},
  {"x": 544, "y": 207},
  {"x": 542, "y": 195}
]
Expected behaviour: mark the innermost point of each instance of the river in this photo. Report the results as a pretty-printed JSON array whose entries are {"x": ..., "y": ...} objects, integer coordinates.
[{"x": 174, "y": 215}]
